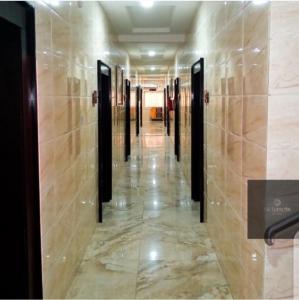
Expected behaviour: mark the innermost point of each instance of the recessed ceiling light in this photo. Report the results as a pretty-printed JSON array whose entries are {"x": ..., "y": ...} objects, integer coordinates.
[
  {"x": 151, "y": 53},
  {"x": 153, "y": 68},
  {"x": 256, "y": 50},
  {"x": 53, "y": 2},
  {"x": 260, "y": 2},
  {"x": 147, "y": 3}
]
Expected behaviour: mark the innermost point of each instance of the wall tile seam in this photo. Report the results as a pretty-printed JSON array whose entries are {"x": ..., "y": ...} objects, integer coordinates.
[
  {"x": 52, "y": 184},
  {"x": 269, "y": 56},
  {"x": 281, "y": 94},
  {"x": 222, "y": 263},
  {"x": 75, "y": 266},
  {"x": 241, "y": 136},
  {"x": 50, "y": 11},
  {"x": 211, "y": 179},
  {"x": 46, "y": 236},
  {"x": 69, "y": 64},
  {"x": 73, "y": 165},
  {"x": 239, "y": 14},
  {"x": 85, "y": 126},
  {"x": 63, "y": 252},
  {"x": 63, "y": 212},
  {"x": 241, "y": 262}
]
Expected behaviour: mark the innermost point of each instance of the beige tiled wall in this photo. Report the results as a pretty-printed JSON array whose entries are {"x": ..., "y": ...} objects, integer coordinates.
[
  {"x": 283, "y": 91},
  {"x": 70, "y": 38},
  {"x": 233, "y": 39},
  {"x": 283, "y": 126}
]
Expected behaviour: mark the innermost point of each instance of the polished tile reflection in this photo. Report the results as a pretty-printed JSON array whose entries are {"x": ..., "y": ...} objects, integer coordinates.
[{"x": 151, "y": 244}]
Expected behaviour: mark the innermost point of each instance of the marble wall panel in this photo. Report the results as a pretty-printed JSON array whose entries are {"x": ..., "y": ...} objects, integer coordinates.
[
  {"x": 235, "y": 49},
  {"x": 70, "y": 37},
  {"x": 282, "y": 144}
]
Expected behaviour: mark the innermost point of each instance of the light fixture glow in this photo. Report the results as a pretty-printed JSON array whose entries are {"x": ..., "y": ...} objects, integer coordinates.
[
  {"x": 254, "y": 257},
  {"x": 151, "y": 53},
  {"x": 256, "y": 50},
  {"x": 259, "y": 2},
  {"x": 53, "y": 2},
  {"x": 153, "y": 255},
  {"x": 153, "y": 68},
  {"x": 147, "y": 3}
]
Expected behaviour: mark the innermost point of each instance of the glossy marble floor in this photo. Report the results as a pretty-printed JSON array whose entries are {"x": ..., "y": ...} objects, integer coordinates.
[{"x": 151, "y": 244}]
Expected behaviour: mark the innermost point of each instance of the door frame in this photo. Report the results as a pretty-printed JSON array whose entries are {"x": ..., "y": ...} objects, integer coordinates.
[
  {"x": 164, "y": 110},
  {"x": 141, "y": 106},
  {"x": 177, "y": 116},
  {"x": 137, "y": 110},
  {"x": 104, "y": 139},
  {"x": 22, "y": 15},
  {"x": 127, "y": 119},
  {"x": 167, "y": 110},
  {"x": 197, "y": 136}
]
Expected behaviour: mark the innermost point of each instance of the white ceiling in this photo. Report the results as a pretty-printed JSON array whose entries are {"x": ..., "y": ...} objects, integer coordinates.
[{"x": 162, "y": 28}]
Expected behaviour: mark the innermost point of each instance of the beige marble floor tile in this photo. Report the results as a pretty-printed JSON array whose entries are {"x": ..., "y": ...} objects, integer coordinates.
[
  {"x": 151, "y": 243},
  {"x": 189, "y": 279},
  {"x": 105, "y": 280}
]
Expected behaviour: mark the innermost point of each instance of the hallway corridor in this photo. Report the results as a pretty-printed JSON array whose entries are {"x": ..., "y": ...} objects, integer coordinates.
[{"x": 151, "y": 244}]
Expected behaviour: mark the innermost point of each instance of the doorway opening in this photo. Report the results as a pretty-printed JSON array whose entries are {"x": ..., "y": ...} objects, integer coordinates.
[
  {"x": 197, "y": 135},
  {"x": 21, "y": 250}
]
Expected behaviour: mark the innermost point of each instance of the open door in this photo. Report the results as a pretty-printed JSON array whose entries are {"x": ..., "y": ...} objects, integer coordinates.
[
  {"x": 177, "y": 143},
  {"x": 128, "y": 120},
  {"x": 167, "y": 110},
  {"x": 104, "y": 135},
  {"x": 197, "y": 135},
  {"x": 20, "y": 205},
  {"x": 137, "y": 110}
]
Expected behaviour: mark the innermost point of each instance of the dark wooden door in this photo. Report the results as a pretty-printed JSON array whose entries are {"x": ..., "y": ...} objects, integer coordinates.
[
  {"x": 164, "y": 109},
  {"x": 20, "y": 221},
  {"x": 197, "y": 135},
  {"x": 141, "y": 106},
  {"x": 128, "y": 120},
  {"x": 177, "y": 143},
  {"x": 137, "y": 110},
  {"x": 167, "y": 110},
  {"x": 104, "y": 135}
]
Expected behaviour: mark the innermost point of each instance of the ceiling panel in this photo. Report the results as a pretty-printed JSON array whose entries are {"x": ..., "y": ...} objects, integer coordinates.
[
  {"x": 153, "y": 18},
  {"x": 161, "y": 28}
]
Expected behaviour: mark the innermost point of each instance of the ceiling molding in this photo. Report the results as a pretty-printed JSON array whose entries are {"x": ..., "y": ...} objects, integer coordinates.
[
  {"x": 151, "y": 30},
  {"x": 152, "y": 38}
]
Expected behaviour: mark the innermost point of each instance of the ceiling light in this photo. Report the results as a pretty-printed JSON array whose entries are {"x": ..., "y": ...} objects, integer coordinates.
[
  {"x": 151, "y": 53},
  {"x": 256, "y": 50},
  {"x": 147, "y": 3},
  {"x": 259, "y": 2},
  {"x": 53, "y": 2},
  {"x": 153, "y": 68}
]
